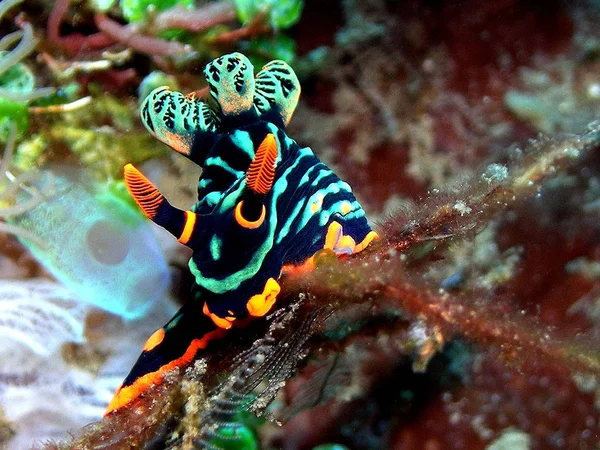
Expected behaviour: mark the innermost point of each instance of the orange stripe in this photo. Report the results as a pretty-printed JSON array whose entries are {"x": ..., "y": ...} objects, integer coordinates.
[
  {"x": 126, "y": 395},
  {"x": 370, "y": 237},
  {"x": 188, "y": 229},
  {"x": 261, "y": 172}
]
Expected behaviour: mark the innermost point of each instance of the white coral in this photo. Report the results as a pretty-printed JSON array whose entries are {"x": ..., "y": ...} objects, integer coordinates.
[
  {"x": 40, "y": 315},
  {"x": 44, "y": 392}
]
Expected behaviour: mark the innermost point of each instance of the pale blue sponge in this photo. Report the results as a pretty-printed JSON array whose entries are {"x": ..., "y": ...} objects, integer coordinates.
[{"x": 97, "y": 244}]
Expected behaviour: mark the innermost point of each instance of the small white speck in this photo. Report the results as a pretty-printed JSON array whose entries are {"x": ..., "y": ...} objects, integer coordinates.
[
  {"x": 462, "y": 208},
  {"x": 594, "y": 90},
  {"x": 571, "y": 152}
]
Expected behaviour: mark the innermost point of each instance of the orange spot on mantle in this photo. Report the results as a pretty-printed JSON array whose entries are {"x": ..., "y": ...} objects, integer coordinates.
[
  {"x": 260, "y": 304},
  {"x": 335, "y": 241},
  {"x": 156, "y": 338},
  {"x": 222, "y": 322}
]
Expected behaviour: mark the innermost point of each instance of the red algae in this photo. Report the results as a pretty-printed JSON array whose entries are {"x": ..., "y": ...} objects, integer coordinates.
[{"x": 537, "y": 400}]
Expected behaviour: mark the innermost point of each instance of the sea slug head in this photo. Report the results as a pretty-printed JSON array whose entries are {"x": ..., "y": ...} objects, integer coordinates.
[{"x": 235, "y": 235}]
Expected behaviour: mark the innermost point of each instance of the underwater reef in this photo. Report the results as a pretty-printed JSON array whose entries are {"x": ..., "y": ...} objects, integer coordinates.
[{"x": 469, "y": 133}]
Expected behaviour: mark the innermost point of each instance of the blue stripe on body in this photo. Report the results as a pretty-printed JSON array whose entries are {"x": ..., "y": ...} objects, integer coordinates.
[{"x": 234, "y": 280}]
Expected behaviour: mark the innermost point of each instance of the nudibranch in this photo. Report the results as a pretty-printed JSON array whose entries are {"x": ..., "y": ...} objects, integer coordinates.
[{"x": 265, "y": 206}]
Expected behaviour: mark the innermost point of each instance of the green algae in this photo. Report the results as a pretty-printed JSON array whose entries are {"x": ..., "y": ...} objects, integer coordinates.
[
  {"x": 237, "y": 437},
  {"x": 280, "y": 13},
  {"x": 18, "y": 80},
  {"x": 105, "y": 149},
  {"x": 137, "y": 10}
]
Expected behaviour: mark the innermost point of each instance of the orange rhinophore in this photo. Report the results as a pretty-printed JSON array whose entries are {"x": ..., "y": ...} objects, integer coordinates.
[
  {"x": 154, "y": 205},
  {"x": 261, "y": 173},
  {"x": 145, "y": 194}
]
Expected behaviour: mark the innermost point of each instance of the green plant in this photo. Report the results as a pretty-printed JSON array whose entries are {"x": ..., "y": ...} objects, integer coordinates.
[
  {"x": 279, "y": 13},
  {"x": 137, "y": 10}
]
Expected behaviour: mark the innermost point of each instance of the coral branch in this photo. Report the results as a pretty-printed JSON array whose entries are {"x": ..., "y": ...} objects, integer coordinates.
[
  {"x": 74, "y": 42},
  {"x": 383, "y": 282},
  {"x": 6, "y": 5},
  {"x": 130, "y": 36},
  {"x": 8, "y": 40},
  {"x": 482, "y": 198},
  {"x": 455, "y": 317},
  {"x": 26, "y": 96},
  {"x": 71, "y": 106},
  {"x": 196, "y": 20},
  {"x": 256, "y": 27},
  {"x": 55, "y": 19}
]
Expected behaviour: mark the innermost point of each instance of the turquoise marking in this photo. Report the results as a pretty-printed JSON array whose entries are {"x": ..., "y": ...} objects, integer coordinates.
[
  {"x": 213, "y": 198},
  {"x": 354, "y": 207},
  {"x": 325, "y": 215},
  {"x": 215, "y": 247},
  {"x": 333, "y": 188},
  {"x": 234, "y": 280},
  {"x": 273, "y": 129},
  {"x": 204, "y": 182},
  {"x": 307, "y": 212},
  {"x": 231, "y": 199},
  {"x": 242, "y": 140},
  {"x": 355, "y": 214},
  {"x": 288, "y": 223},
  {"x": 289, "y": 141},
  {"x": 217, "y": 161},
  {"x": 337, "y": 208},
  {"x": 322, "y": 174},
  {"x": 308, "y": 174},
  {"x": 173, "y": 322}
]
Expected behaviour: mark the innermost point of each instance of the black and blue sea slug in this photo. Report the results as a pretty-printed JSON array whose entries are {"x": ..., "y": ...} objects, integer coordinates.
[{"x": 265, "y": 206}]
